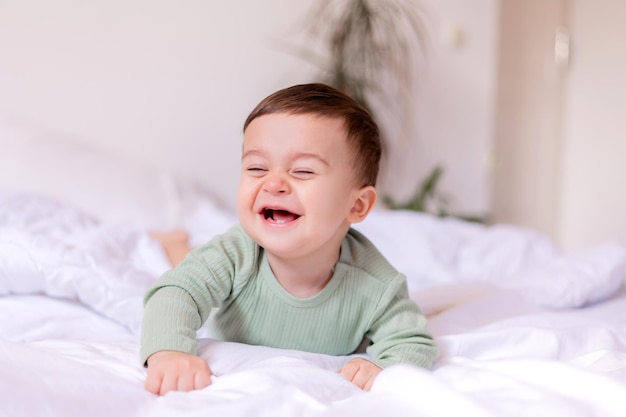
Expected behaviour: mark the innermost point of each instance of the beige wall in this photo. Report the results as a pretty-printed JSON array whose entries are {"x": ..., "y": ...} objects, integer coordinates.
[
  {"x": 167, "y": 82},
  {"x": 170, "y": 82},
  {"x": 455, "y": 103}
]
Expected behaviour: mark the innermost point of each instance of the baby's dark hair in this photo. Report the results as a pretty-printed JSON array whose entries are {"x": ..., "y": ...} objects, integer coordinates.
[{"x": 325, "y": 101}]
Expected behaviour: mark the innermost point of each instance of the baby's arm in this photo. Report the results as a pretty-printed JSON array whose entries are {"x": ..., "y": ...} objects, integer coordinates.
[
  {"x": 168, "y": 337},
  {"x": 176, "y": 371},
  {"x": 360, "y": 372},
  {"x": 399, "y": 334}
]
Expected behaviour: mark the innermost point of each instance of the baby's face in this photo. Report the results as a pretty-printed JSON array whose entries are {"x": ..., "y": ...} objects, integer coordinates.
[{"x": 297, "y": 184}]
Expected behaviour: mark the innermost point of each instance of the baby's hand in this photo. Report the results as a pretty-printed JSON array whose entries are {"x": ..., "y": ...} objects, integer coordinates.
[
  {"x": 360, "y": 372},
  {"x": 176, "y": 371}
]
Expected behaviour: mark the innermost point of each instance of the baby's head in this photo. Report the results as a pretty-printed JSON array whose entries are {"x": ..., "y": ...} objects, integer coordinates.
[
  {"x": 309, "y": 164},
  {"x": 323, "y": 101}
]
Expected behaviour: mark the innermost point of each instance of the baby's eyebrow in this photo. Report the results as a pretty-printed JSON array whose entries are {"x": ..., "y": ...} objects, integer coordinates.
[
  {"x": 310, "y": 155},
  {"x": 294, "y": 157},
  {"x": 251, "y": 152}
]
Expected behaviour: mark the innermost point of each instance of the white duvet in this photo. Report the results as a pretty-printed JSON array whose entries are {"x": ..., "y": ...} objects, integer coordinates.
[{"x": 524, "y": 330}]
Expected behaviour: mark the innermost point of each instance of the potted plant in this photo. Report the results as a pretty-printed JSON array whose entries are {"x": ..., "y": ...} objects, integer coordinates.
[{"x": 370, "y": 49}]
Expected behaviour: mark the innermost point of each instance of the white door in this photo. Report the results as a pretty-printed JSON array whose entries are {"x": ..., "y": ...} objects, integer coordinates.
[
  {"x": 560, "y": 137},
  {"x": 592, "y": 198},
  {"x": 528, "y": 114}
]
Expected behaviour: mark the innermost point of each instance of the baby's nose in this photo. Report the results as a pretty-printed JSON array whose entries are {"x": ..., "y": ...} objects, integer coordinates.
[{"x": 276, "y": 184}]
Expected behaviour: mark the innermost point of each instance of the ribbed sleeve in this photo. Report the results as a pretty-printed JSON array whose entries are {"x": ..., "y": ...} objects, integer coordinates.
[
  {"x": 183, "y": 298},
  {"x": 170, "y": 323},
  {"x": 399, "y": 333}
]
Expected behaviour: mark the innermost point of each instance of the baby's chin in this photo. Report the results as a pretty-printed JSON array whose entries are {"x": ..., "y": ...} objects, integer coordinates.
[
  {"x": 279, "y": 246},
  {"x": 273, "y": 239}
]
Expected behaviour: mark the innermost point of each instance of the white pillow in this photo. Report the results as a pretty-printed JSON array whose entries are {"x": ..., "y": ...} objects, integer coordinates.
[
  {"x": 572, "y": 280},
  {"x": 48, "y": 246},
  {"x": 111, "y": 187}
]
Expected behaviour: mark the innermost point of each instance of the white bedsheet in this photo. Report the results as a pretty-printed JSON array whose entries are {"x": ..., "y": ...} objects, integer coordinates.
[{"x": 71, "y": 305}]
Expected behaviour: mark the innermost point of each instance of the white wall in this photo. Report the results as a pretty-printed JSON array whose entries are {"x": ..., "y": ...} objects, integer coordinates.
[
  {"x": 165, "y": 81},
  {"x": 170, "y": 82},
  {"x": 593, "y": 187},
  {"x": 455, "y": 112}
]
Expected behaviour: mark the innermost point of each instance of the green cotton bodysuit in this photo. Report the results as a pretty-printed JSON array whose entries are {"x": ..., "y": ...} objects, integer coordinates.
[{"x": 366, "y": 297}]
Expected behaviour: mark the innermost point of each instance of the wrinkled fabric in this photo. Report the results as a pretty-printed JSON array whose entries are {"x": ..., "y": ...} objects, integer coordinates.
[{"x": 522, "y": 328}]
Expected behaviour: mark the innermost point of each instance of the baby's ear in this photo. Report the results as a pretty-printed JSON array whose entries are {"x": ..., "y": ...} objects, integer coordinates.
[{"x": 365, "y": 200}]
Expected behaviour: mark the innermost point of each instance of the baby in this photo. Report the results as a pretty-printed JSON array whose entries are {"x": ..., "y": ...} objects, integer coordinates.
[{"x": 292, "y": 274}]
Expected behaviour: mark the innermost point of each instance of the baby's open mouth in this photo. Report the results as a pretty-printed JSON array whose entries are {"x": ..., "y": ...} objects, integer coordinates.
[{"x": 279, "y": 216}]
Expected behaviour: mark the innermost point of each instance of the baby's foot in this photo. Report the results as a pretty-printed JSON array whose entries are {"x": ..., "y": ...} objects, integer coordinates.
[
  {"x": 170, "y": 236},
  {"x": 175, "y": 243}
]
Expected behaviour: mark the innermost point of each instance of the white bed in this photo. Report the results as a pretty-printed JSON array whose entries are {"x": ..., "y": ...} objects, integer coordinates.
[{"x": 524, "y": 329}]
